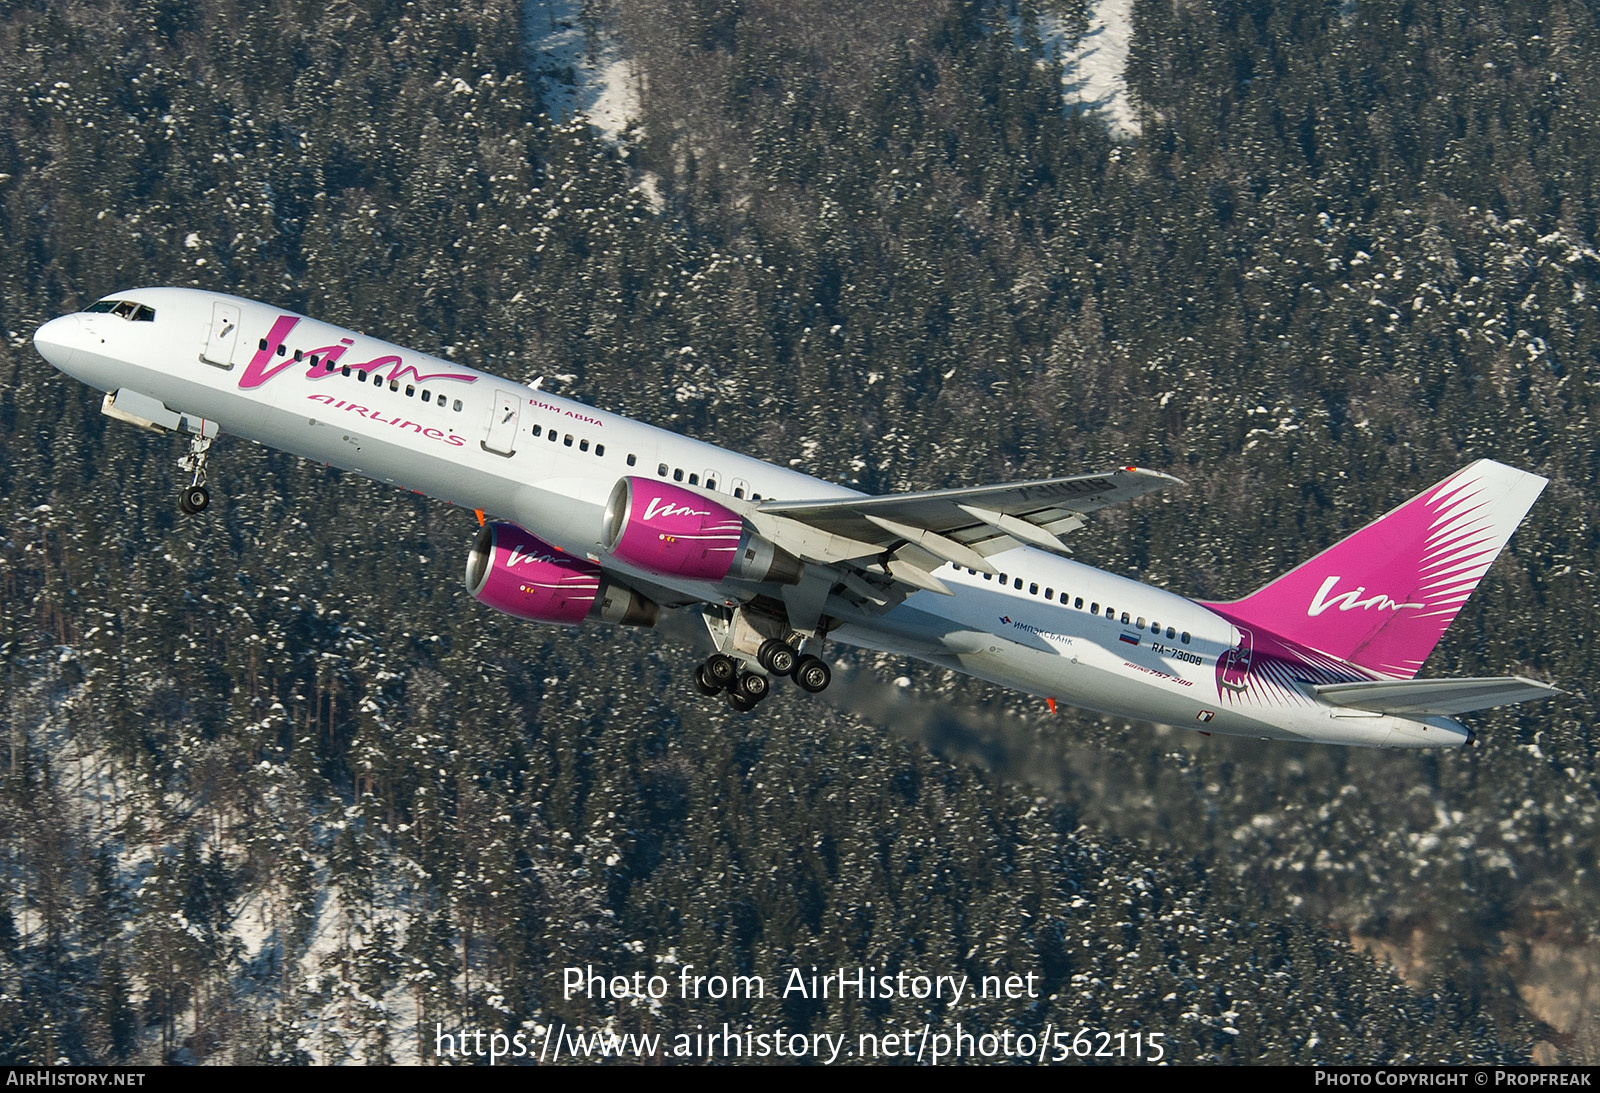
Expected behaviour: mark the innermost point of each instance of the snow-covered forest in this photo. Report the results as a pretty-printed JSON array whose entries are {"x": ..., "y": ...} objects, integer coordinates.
[{"x": 275, "y": 789}]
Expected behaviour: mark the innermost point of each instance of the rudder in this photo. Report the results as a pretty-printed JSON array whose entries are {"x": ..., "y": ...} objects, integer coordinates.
[{"x": 1383, "y": 597}]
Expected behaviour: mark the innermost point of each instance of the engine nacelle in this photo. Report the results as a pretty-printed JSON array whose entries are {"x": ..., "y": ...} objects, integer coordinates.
[
  {"x": 663, "y": 528},
  {"x": 522, "y": 575}
]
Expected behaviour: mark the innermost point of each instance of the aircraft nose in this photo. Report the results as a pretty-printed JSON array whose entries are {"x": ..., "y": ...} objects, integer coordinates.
[{"x": 57, "y": 339}]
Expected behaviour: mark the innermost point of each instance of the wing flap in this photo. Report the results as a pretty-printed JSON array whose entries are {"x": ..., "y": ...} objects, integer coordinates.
[
  {"x": 904, "y": 538},
  {"x": 1414, "y": 697},
  {"x": 1058, "y": 502}
]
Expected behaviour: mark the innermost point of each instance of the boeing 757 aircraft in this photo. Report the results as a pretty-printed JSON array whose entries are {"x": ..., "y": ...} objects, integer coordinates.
[{"x": 604, "y": 518}]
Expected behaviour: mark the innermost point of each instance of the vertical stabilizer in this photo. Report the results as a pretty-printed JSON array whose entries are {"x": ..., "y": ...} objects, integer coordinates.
[{"x": 1383, "y": 597}]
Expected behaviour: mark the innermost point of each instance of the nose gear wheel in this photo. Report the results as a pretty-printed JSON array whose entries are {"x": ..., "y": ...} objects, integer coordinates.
[{"x": 195, "y": 497}]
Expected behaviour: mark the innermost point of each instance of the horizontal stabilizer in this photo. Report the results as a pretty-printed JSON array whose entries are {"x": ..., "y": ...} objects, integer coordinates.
[{"x": 1418, "y": 697}]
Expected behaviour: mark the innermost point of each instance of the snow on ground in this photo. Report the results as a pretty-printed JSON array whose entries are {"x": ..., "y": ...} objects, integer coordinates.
[
  {"x": 1093, "y": 67},
  {"x": 580, "y": 72}
]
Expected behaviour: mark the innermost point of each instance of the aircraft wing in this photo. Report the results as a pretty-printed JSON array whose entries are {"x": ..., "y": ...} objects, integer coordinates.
[
  {"x": 1420, "y": 697},
  {"x": 905, "y": 536}
]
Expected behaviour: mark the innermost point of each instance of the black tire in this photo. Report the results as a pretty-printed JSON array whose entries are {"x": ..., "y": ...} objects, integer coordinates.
[
  {"x": 777, "y": 657},
  {"x": 704, "y": 685},
  {"x": 194, "y": 499},
  {"x": 183, "y": 503},
  {"x": 740, "y": 702},
  {"x": 812, "y": 674},
  {"x": 721, "y": 670},
  {"x": 752, "y": 685}
]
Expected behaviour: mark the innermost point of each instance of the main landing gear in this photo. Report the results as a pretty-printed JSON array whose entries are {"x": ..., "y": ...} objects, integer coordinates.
[
  {"x": 195, "y": 497},
  {"x": 721, "y": 673},
  {"x": 756, "y": 645}
]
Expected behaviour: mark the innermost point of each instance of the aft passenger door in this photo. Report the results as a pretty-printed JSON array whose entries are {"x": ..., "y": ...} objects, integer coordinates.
[
  {"x": 223, "y": 336},
  {"x": 502, "y": 438}
]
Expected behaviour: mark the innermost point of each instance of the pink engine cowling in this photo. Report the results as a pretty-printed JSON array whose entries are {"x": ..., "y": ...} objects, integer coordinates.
[
  {"x": 663, "y": 528},
  {"x": 520, "y": 574}
]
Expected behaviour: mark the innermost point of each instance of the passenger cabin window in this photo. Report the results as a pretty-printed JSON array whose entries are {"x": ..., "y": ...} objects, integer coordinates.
[
  {"x": 738, "y": 491},
  {"x": 458, "y": 406},
  {"x": 694, "y": 480},
  {"x": 1049, "y": 593},
  {"x": 1033, "y": 590},
  {"x": 677, "y": 474},
  {"x": 632, "y": 459},
  {"x": 538, "y": 430},
  {"x": 583, "y": 445},
  {"x": 567, "y": 440},
  {"x": 1078, "y": 603},
  {"x": 711, "y": 483},
  {"x": 1094, "y": 608},
  {"x": 1111, "y": 613},
  {"x": 599, "y": 449},
  {"x": 1124, "y": 618},
  {"x": 1171, "y": 633},
  {"x": 1186, "y": 637},
  {"x": 662, "y": 470}
]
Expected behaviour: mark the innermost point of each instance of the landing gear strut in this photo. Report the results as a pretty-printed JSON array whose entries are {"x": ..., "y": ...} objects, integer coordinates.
[{"x": 195, "y": 497}]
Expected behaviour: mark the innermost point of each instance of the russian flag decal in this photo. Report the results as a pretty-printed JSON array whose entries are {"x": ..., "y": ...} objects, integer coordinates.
[{"x": 1131, "y": 639}]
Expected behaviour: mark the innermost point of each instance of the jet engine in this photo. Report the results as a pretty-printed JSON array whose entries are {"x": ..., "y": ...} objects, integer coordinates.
[
  {"x": 514, "y": 572},
  {"x": 667, "y": 529}
]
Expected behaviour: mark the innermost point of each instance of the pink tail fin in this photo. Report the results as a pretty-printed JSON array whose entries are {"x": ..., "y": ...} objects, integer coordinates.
[{"x": 1383, "y": 597}]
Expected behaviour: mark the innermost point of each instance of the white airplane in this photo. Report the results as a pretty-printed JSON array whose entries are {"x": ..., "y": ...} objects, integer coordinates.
[{"x": 606, "y": 518}]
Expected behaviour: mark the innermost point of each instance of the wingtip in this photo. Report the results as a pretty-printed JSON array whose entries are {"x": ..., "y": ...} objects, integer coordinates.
[{"x": 1146, "y": 472}]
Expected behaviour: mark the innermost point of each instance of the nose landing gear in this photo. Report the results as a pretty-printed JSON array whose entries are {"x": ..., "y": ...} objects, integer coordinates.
[{"x": 195, "y": 497}]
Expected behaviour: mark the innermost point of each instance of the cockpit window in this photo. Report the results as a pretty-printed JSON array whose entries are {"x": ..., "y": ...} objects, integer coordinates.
[{"x": 126, "y": 309}]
